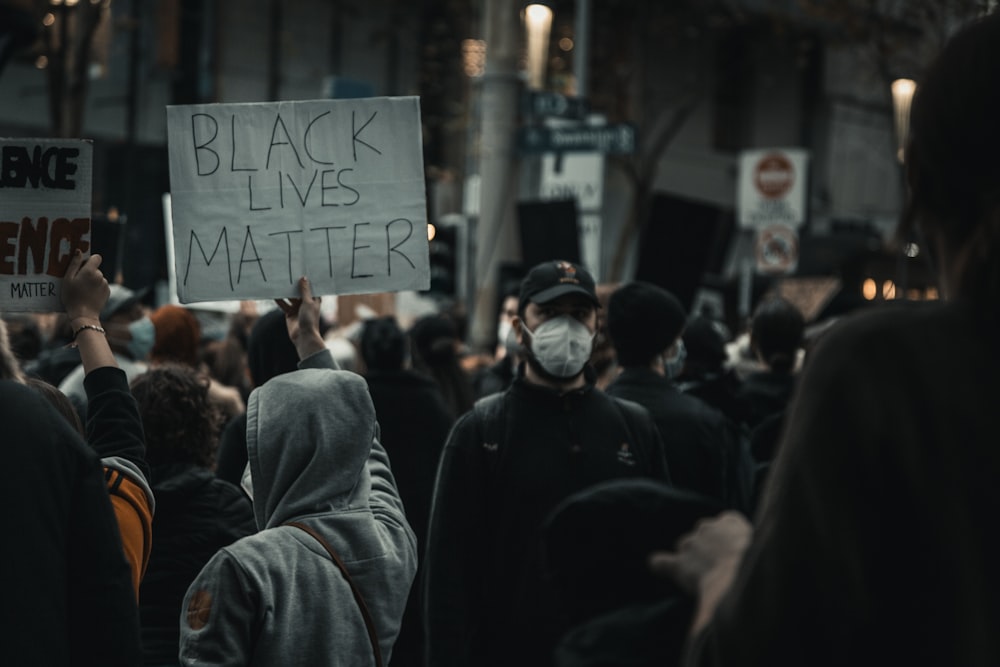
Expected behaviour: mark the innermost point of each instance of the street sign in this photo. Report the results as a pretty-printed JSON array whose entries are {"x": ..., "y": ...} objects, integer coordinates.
[
  {"x": 618, "y": 138},
  {"x": 772, "y": 187},
  {"x": 549, "y": 105},
  {"x": 776, "y": 249}
]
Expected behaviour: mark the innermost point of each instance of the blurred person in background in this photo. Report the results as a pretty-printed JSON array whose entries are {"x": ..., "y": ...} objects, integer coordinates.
[
  {"x": 702, "y": 446},
  {"x": 777, "y": 333},
  {"x": 436, "y": 353},
  {"x": 501, "y": 373},
  {"x": 415, "y": 421},
  {"x": 178, "y": 340},
  {"x": 196, "y": 513},
  {"x": 705, "y": 375},
  {"x": 131, "y": 335},
  {"x": 876, "y": 541}
]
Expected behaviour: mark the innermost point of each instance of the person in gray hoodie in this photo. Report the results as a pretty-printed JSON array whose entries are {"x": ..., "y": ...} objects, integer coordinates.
[{"x": 277, "y": 597}]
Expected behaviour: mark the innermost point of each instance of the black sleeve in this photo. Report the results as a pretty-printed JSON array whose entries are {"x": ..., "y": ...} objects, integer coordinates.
[
  {"x": 231, "y": 458},
  {"x": 456, "y": 555},
  {"x": 114, "y": 428},
  {"x": 103, "y": 619}
]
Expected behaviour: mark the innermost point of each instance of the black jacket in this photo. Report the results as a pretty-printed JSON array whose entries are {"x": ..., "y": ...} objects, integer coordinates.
[
  {"x": 69, "y": 588},
  {"x": 196, "y": 515},
  {"x": 487, "y": 603},
  {"x": 703, "y": 448},
  {"x": 414, "y": 421}
]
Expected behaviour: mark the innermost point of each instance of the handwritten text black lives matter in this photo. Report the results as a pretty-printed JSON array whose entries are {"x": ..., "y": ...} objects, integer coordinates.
[
  {"x": 43, "y": 243},
  {"x": 319, "y": 182}
]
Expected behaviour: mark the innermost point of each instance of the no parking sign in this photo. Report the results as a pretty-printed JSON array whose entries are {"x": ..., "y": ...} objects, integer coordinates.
[{"x": 771, "y": 199}]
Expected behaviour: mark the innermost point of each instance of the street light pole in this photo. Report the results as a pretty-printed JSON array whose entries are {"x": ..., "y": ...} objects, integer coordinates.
[{"x": 496, "y": 238}]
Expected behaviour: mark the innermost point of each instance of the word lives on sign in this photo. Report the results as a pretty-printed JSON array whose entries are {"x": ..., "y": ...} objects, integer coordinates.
[
  {"x": 264, "y": 193},
  {"x": 771, "y": 200},
  {"x": 45, "y": 188}
]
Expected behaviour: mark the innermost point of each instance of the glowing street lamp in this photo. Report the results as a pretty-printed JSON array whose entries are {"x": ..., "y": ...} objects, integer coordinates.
[
  {"x": 902, "y": 95},
  {"x": 538, "y": 23}
]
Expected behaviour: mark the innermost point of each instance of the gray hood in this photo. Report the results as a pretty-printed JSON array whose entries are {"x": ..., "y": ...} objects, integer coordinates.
[{"x": 309, "y": 436}]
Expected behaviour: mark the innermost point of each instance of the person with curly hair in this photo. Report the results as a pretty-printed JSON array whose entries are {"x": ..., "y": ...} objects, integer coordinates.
[{"x": 196, "y": 513}]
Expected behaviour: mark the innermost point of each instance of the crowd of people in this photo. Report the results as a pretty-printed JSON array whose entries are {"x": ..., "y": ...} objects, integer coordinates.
[{"x": 604, "y": 488}]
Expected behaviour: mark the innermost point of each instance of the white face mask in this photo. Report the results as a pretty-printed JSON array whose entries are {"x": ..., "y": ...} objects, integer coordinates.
[
  {"x": 673, "y": 366},
  {"x": 561, "y": 345},
  {"x": 503, "y": 329}
]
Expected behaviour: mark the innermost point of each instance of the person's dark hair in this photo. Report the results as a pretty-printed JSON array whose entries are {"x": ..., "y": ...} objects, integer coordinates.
[
  {"x": 269, "y": 351},
  {"x": 24, "y": 335},
  {"x": 226, "y": 361},
  {"x": 59, "y": 401},
  {"x": 951, "y": 156},
  {"x": 435, "y": 339},
  {"x": 180, "y": 422},
  {"x": 383, "y": 344},
  {"x": 643, "y": 320},
  {"x": 777, "y": 334},
  {"x": 706, "y": 347}
]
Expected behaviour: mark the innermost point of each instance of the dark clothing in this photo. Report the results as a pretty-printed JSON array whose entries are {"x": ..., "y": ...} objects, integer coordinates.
[
  {"x": 231, "y": 458},
  {"x": 719, "y": 390},
  {"x": 494, "y": 378},
  {"x": 196, "y": 515},
  {"x": 764, "y": 394},
  {"x": 54, "y": 363},
  {"x": 703, "y": 448},
  {"x": 415, "y": 422},
  {"x": 71, "y": 599},
  {"x": 877, "y": 543},
  {"x": 487, "y": 602}
]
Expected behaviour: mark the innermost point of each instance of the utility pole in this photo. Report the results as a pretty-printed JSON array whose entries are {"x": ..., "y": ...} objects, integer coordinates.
[{"x": 496, "y": 234}]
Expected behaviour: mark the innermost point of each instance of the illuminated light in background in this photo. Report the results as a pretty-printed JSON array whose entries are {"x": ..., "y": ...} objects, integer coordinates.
[
  {"x": 869, "y": 289},
  {"x": 41, "y": 62},
  {"x": 48, "y": 19},
  {"x": 474, "y": 57},
  {"x": 431, "y": 231},
  {"x": 931, "y": 294},
  {"x": 538, "y": 23},
  {"x": 888, "y": 290},
  {"x": 566, "y": 44},
  {"x": 902, "y": 95},
  {"x": 911, "y": 250}
]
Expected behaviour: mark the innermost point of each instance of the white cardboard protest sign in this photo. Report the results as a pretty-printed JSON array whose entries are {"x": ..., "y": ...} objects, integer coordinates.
[
  {"x": 264, "y": 193},
  {"x": 45, "y": 188}
]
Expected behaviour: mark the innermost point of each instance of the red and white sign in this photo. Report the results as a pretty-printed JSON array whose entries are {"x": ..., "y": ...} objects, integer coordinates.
[
  {"x": 776, "y": 249},
  {"x": 772, "y": 187}
]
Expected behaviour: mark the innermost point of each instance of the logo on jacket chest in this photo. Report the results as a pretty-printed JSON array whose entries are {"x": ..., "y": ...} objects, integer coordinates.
[{"x": 625, "y": 455}]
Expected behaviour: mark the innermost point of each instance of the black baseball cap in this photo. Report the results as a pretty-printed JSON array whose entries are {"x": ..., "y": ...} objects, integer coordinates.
[{"x": 550, "y": 280}]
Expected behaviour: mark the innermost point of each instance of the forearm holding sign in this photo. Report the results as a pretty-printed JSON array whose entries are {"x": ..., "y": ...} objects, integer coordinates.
[{"x": 114, "y": 429}]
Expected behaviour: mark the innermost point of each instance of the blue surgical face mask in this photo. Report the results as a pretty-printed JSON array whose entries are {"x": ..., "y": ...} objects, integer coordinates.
[
  {"x": 673, "y": 366},
  {"x": 143, "y": 336}
]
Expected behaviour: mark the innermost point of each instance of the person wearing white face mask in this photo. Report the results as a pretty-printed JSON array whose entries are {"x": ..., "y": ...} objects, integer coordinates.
[
  {"x": 130, "y": 334},
  {"x": 703, "y": 447},
  {"x": 508, "y": 463}
]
